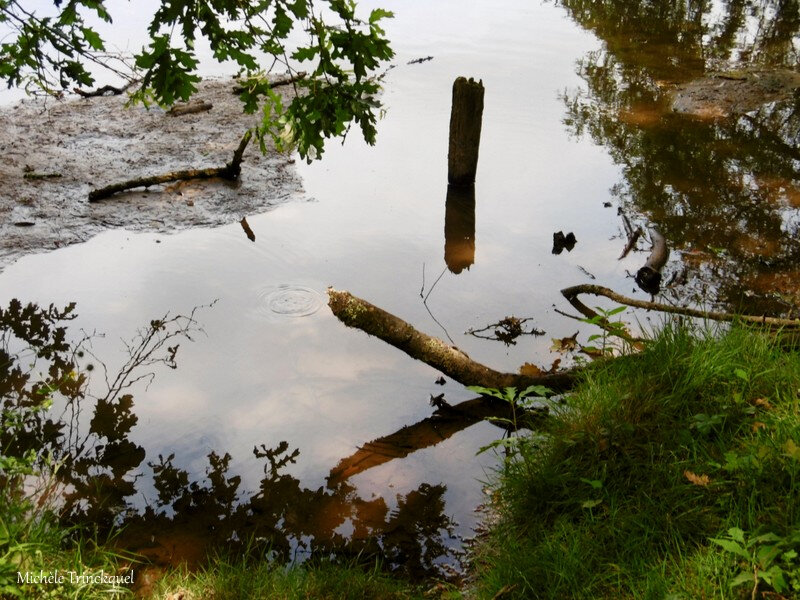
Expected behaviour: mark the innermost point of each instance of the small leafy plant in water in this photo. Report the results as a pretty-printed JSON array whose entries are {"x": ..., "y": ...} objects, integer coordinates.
[
  {"x": 534, "y": 399},
  {"x": 611, "y": 329}
]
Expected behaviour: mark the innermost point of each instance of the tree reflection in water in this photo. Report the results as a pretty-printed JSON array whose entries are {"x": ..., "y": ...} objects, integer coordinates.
[
  {"x": 100, "y": 470},
  {"x": 724, "y": 191}
]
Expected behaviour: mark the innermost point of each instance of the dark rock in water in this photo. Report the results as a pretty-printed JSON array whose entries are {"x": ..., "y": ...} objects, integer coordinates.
[{"x": 562, "y": 242}]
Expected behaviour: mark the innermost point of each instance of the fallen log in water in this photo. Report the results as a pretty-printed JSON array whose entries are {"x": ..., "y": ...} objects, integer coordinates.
[
  {"x": 358, "y": 313},
  {"x": 229, "y": 172}
]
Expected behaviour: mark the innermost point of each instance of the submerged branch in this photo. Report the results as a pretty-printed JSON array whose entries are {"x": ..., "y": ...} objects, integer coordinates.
[
  {"x": 358, "y": 313},
  {"x": 230, "y": 172}
]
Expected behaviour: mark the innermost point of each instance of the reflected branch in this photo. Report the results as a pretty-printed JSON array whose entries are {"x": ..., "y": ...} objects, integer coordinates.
[{"x": 443, "y": 424}]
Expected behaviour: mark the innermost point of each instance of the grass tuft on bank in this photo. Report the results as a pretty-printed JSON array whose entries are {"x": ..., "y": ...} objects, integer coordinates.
[
  {"x": 671, "y": 473},
  {"x": 234, "y": 579}
]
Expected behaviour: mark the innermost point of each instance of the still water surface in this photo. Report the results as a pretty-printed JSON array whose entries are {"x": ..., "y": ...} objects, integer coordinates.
[{"x": 576, "y": 126}]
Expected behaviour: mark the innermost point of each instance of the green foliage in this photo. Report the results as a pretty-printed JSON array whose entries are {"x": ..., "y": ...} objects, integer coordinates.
[
  {"x": 766, "y": 557},
  {"x": 611, "y": 329},
  {"x": 50, "y": 53},
  {"x": 532, "y": 398}
]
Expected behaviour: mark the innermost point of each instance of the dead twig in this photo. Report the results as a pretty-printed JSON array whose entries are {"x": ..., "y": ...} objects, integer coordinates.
[
  {"x": 506, "y": 330},
  {"x": 247, "y": 231},
  {"x": 106, "y": 90},
  {"x": 632, "y": 239}
]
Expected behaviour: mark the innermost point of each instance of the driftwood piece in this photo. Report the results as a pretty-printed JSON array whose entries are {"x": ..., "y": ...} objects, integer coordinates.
[
  {"x": 247, "y": 231},
  {"x": 572, "y": 293},
  {"x": 36, "y": 176},
  {"x": 188, "y": 108},
  {"x": 230, "y": 172},
  {"x": 358, "y": 313}
]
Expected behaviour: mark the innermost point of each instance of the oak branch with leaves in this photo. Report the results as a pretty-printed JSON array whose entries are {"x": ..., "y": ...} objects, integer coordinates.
[{"x": 50, "y": 51}]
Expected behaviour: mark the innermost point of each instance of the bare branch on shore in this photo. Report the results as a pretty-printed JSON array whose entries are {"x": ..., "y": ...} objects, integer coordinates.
[{"x": 229, "y": 172}]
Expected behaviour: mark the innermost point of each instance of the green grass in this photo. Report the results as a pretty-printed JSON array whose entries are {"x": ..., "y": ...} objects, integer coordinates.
[
  {"x": 236, "y": 579},
  {"x": 33, "y": 543},
  {"x": 602, "y": 506}
]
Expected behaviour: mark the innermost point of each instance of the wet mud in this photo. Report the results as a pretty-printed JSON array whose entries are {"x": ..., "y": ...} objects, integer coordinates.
[{"x": 54, "y": 152}]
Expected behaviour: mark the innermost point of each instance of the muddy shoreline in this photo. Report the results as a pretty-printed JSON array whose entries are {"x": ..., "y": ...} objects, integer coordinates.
[{"x": 54, "y": 152}]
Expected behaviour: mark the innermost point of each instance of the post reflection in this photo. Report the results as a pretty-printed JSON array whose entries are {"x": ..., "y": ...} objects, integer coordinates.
[{"x": 459, "y": 228}]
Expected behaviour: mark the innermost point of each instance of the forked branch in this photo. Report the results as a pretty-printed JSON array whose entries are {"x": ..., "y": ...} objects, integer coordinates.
[{"x": 229, "y": 172}]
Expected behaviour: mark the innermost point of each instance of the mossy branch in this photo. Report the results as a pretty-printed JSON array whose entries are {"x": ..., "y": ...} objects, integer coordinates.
[
  {"x": 229, "y": 172},
  {"x": 358, "y": 313}
]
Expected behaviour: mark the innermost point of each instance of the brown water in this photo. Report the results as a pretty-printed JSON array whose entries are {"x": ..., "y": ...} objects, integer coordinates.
[{"x": 577, "y": 116}]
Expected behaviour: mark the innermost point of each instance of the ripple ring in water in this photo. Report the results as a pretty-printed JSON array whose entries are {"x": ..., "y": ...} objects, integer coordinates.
[{"x": 287, "y": 301}]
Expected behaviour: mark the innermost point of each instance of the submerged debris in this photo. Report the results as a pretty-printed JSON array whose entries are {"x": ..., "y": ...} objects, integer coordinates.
[
  {"x": 648, "y": 278},
  {"x": 506, "y": 330},
  {"x": 563, "y": 242}
]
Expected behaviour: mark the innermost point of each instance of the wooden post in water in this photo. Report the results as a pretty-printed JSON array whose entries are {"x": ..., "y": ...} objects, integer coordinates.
[{"x": 465, "y": 131}]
